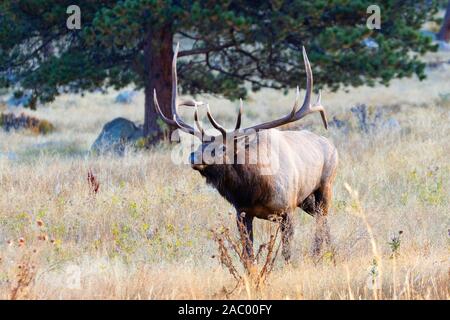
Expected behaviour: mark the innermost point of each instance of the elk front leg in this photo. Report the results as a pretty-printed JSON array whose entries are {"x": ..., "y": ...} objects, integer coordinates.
[
  {"x": 287, "y": 233},
  {"x": 245, "y": 227}
]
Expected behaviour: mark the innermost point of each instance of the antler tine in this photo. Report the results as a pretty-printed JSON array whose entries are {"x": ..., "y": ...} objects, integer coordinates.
[
  {"x": 173, "y": 105},
  {"x": 295, "y": 107},
  {"x": 197, "y": 122},
  {"x": 239, "y": 117},
  {"x": 318, "y": 107},
  {"x": 187, "y": 129},
  {"x": 306, "y": 106},
  {"x": 175, "y": 89},
  {"x": 214, "y": 122},
  {"x": 161, "y": 114},
  {"x": 176, "y": 121}
]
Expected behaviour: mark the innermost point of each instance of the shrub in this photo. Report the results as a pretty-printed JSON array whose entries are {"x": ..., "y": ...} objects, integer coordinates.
[{"x": 9, "y": 121}]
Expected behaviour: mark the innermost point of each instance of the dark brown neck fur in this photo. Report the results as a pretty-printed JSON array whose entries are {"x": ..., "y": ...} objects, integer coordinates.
[{"x": 241, "y": 185}]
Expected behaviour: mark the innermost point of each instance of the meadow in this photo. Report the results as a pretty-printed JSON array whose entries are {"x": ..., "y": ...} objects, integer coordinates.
[{"x": 146, "y": 233}]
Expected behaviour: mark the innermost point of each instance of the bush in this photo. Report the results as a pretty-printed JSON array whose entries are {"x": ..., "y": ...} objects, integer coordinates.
[{"x": 9, "y": 121}]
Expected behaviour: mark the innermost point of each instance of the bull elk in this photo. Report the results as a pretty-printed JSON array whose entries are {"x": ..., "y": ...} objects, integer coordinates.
[{"x": 302, "y": 166}]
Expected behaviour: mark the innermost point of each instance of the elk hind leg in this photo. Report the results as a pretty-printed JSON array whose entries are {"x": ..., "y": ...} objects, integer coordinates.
[
  {"x": 322, "y": 232},
  {"x": 309, "y": 205}
]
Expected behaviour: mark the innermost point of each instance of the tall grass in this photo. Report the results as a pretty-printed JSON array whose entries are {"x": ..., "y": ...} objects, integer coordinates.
[{"x": 144, "y": 234}]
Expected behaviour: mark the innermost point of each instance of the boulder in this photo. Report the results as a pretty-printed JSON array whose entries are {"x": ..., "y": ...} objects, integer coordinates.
[
  {"x": 125, "y": 97},
  {"x": 14, "y": 101},
  {"x": 391, "y": 125},
  {"x": 116, "y": 135}
]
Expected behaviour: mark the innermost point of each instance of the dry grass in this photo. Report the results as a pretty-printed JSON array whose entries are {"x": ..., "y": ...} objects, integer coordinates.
[{"x": 144, "y": 234}]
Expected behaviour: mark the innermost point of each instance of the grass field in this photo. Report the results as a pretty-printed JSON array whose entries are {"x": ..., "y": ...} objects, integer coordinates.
[{"x": 146, "y": 233}]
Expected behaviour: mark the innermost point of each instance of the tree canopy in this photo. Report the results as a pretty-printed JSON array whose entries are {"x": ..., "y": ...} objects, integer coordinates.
[{"x": 225, "y": 45}]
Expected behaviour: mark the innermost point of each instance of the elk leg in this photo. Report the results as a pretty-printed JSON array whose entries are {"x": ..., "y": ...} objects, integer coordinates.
[
  {"x": 287, "y": 233},
  {"x": 322, "y": 233},
  {"x": 309, "y": 205},
  {"x": 245, "y": 227}
]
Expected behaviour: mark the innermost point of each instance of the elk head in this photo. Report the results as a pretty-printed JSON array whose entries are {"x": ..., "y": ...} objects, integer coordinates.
[{"x": 223, "y": 149}]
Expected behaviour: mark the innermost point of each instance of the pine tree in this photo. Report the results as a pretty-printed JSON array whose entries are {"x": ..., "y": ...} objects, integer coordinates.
[
  {"x": 444, "y": 32},
  {"x": 225, "y": 45}
]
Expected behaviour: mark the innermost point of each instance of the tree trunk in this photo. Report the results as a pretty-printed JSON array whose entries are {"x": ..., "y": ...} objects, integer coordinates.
[
  {"x": 158, "y": 54},
  {"x": 444, "y": 33}
]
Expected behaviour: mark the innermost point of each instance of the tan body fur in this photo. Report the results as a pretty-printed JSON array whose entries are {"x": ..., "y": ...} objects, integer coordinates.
[
  {"x": 294, "y": 169},
  {"x": 306, "y": 164}
]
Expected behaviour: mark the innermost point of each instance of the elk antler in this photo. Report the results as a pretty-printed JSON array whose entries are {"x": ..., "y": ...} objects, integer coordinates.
[
  {"x": 176, "y": 121},
  {"x": 294, "y": 115}
]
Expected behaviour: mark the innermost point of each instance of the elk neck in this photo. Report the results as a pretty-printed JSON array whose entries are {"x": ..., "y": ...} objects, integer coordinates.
[{"x": 240, "y": 184}]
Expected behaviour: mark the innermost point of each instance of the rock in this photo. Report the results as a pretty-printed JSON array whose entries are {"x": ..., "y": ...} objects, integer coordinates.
[
  {"x": 18, "y": 101},
  {"x": 391, "y": 124},
  {"x": 125, "y": 97},
  {"x": 115, "y": 137}
]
